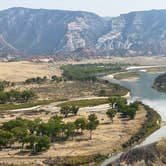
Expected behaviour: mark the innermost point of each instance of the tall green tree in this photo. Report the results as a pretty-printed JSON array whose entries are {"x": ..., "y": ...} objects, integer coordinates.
[
  {"x": 70, "y": 128},
  {"x": 20, "y": 135},
  {"x": 111, "y": 114},
  {"x": 74, "y": 110},
  {"x": 65, "y": 110},
  {"x": 80, "y": 123},
  {"x": 6, "y": 138},
  {"x": 43, "y": 143},
  {"x": 92, "y": 124}
]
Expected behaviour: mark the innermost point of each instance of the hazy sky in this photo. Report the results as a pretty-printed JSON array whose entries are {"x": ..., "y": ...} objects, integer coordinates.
[{"x": 101, "y": 7}]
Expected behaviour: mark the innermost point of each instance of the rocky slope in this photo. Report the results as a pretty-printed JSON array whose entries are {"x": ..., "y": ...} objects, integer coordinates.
[
  {"x": 151, "y": 155},
  {"x": 53, "y": 32}
]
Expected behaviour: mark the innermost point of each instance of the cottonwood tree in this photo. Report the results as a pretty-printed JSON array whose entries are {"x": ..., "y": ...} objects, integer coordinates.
[
  {"x": 92, "y": 124},
  {"x": 111, "y": 114},
  {"x": 80, "y": 123}
]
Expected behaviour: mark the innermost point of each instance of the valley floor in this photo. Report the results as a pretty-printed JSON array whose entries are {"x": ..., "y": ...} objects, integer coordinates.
[{"x": 107, "y": 138}]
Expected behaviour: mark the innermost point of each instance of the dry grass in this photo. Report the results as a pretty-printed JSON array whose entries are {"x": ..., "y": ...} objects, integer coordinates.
[
  {"x": 70, "y": 89},
  {"x": 20, "y": 71}
]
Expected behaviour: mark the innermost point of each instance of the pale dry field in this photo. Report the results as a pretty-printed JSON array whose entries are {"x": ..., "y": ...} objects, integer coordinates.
[{"x": 20, "y": 71}]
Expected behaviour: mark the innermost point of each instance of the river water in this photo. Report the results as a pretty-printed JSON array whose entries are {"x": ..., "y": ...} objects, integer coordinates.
[{"x": 142, "y": 90}]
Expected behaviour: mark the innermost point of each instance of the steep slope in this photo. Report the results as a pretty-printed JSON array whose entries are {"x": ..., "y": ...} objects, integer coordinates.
[
  {"x": 47, "y": 32},
  {"x": 136, "y": 33},
  {"x": 5, "y": 48},
  {"x": 59, "y": 33},
  {"x": 153, "y": 154}
]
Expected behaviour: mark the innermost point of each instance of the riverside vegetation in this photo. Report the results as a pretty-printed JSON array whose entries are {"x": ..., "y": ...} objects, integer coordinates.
[{"x": 160, "y": 83}]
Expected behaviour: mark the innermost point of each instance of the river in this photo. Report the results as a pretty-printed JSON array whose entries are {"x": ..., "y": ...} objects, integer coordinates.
[{"x": 141, "y": 89}]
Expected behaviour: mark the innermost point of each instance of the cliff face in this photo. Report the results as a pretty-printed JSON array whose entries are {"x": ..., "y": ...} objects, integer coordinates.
[{"x": 51, "y": 32}]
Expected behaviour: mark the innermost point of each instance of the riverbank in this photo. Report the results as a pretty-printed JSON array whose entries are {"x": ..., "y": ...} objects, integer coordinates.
[{"x": 151, "y": 125}]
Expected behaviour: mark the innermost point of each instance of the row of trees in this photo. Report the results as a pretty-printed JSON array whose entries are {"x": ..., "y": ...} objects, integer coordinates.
[
  {"x": 16, "y": 96},
  {"x": 41, "y": 80},
  {"x": 56, "y": 78},
  {"x": 38, "y": 135},
  {"x": 4, "y": 84},
  {"x": 36, "y": 80}
]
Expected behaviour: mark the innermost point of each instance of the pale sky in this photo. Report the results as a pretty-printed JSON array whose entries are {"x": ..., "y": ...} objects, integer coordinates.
[{"x": 101, "y": 7}]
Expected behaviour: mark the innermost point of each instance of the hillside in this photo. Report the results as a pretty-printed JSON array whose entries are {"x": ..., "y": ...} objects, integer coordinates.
[
  {"x": 160, "y": 83},
  {"x": 153, "y": 154},
  {"x": 30, "y": 32}
]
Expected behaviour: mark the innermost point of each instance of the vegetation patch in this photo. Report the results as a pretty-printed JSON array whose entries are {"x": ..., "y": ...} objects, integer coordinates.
[
  {"x": 86, "y": 102},
  {"x": 127, "y": 75},
  {"x": 160, "y": 83},
  {"x": 13, "y": 106},
  {"x": 85, "y": 72},
  {"x": 16, "y": 96}
]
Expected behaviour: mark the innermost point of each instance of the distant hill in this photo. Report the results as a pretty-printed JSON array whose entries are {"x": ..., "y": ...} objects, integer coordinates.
[
  {"x": 36, "y": 32},
  {"x": 160, "y": 83}
]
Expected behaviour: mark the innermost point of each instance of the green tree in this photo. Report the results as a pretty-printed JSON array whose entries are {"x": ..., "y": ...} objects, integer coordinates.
[
  {"x": 43, "y": 143},
  {"x": 55, "y": 128},
  {"x": 6, "y": 138},
  {"x": 25, "y": 96},
  {"x": 65, "y": 110},
  {"x": 70, "y": 128},
  {"x": 92, "y": 124},
  {"x": 80, "y": 123},
  {"x": 111, "y": 114},
  {"x": 32, "y": 139},
  {"x": 3, "y": 98},
  {"x": 18, "y": 122},
  {"x": 20, "y": 135},
  {"x": 74, "y": 110},
  {"x": 56, "y": 78}
]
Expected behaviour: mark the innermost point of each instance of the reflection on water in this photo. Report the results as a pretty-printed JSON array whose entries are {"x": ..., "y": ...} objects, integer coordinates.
[{"x": 142, "y": 90}]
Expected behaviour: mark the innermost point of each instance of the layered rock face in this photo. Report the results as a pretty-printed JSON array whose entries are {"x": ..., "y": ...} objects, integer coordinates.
[{"x": 32, "y": 32}]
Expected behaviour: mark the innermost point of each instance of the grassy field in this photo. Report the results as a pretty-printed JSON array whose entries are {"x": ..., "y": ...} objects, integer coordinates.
[
  {"x": 130, "y": 75},
  {"x": 85, "y": 103},
  {"x": 12, "y": 106},
  {"x": 156, "y": 70}
]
